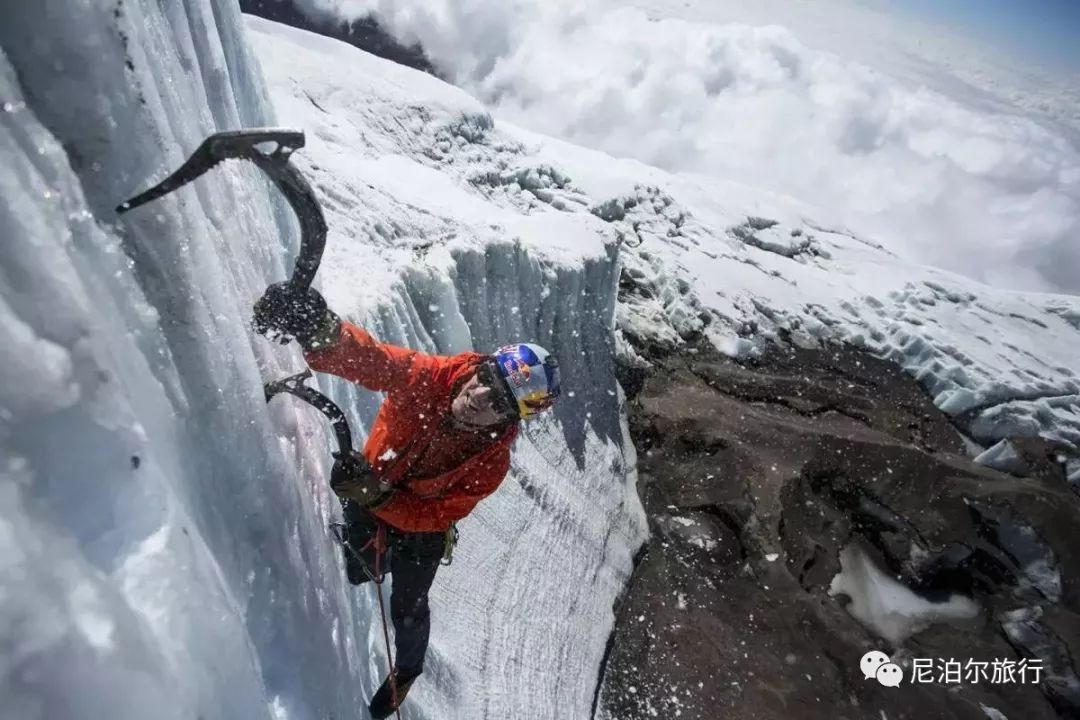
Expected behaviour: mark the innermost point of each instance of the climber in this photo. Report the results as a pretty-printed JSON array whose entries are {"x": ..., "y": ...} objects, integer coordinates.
[{"x": 439, "y": 445}]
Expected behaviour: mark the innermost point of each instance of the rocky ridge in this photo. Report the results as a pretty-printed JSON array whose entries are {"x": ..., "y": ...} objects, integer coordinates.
[{"x": 797, "y": 502}]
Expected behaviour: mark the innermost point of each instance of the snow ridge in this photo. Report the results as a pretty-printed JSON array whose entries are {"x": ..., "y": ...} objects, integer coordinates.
[{"x": 748, "y": 269}]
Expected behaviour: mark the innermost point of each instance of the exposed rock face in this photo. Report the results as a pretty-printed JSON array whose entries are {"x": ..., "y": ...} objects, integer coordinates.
[{"x": 759, "y": 480}]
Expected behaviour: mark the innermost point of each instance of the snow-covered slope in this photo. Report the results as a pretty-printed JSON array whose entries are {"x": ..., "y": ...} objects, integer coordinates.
[
  {"x": 738, "y": 263},
  {"x": 761, "y": 265},
  {"x": 893, "y": 125}
]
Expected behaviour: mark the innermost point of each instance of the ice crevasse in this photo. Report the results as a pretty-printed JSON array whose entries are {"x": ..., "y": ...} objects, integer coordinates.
[{"x": 163, "y": 534}]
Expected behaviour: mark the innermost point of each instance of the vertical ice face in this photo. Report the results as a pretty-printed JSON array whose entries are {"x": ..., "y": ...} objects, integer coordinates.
[
  {"x": 69, "y": 444},
  {"x": 110, "y": 594},
  {"x": 160, "y": 555},
  {"x": 541, "y": 562},
  {"x": 522, "y": 616}
]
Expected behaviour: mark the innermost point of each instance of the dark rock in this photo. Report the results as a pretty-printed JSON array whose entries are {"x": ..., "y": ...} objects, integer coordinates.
[{"x": 756, "y": 478}]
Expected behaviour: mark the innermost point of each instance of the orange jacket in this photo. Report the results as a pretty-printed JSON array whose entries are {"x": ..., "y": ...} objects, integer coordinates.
[{"x": 440, "y": 470}]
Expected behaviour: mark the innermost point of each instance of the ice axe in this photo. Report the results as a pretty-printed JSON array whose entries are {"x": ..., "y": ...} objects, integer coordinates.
[{"x": 269, "y": 149}]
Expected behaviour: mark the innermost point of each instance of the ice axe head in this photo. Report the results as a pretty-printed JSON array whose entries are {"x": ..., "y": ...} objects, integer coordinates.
[
  {"x": 269, "y": 149},
  {"x": 268, "y": 144}
]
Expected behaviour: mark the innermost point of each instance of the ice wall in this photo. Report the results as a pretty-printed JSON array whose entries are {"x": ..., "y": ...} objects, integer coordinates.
[
  {"x": 163, "y": 544},
  {"x": 524, "y": 612},
  {"x": 162, "y": 557}
]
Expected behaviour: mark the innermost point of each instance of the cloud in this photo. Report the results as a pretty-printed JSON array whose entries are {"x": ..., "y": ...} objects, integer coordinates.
[{"x": 940, "y": 178}]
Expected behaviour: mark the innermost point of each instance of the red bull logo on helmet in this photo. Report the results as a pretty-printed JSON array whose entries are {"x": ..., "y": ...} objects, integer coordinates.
[
  {"x": 525, "y": 370},
  {"x": 532, "y": 375},
  {"x": 512, "y": 373},
  {"x": 515, "y": 369}
]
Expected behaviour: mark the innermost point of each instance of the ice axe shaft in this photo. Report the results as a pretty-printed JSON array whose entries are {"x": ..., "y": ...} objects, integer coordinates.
[
  {"x": 294, "y": 385},
  {"x": 269, "y": 149}
]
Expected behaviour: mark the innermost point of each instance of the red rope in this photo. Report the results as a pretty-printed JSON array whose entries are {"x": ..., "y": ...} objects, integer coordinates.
[{"x": 380, "y": 547}]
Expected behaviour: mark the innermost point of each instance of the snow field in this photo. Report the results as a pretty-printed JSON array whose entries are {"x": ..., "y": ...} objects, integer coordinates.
[
  {"x": 752, "y": 264},
  {"x": 746, "y": 267},
  {"x": 948, "y": 156}
]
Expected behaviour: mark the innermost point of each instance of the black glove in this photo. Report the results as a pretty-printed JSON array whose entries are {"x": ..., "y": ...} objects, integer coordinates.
[
  {"x": 353, "y": 479},
  {"x": 301, "y": 313}
]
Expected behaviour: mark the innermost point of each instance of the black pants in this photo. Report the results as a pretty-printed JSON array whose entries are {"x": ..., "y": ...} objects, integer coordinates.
[{"x": 411, "y": 559}]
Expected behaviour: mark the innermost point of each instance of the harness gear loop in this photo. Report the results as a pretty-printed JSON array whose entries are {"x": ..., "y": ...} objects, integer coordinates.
[{"x": 449, "y": 543}]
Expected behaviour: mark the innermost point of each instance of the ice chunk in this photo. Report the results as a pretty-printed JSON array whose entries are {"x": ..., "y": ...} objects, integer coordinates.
[
  {"x": 1003, "y": 457},
  {"x": 956, "y": 401},
  {"x": 887, "y": 607}
]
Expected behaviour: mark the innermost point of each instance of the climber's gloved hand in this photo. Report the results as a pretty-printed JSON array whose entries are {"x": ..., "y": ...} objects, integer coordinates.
[
  {"x": 353, "y": 479},
  {"x": 301, "y": 313}
]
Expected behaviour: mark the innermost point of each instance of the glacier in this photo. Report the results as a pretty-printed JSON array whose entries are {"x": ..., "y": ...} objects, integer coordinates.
[
  {"x": 165, "y": 537},
  {"x": 164, "y": 533}
]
